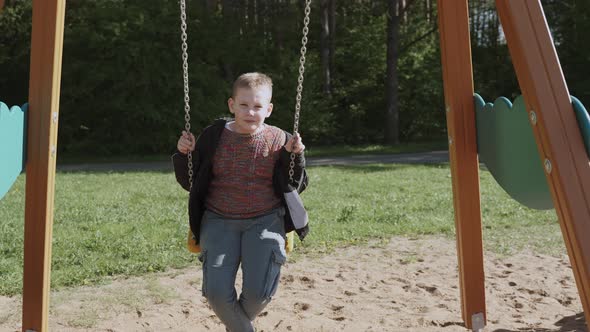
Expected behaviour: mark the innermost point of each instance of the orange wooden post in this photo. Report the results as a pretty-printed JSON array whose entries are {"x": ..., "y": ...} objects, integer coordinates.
[
  {"x": 44, "y": 87},
  {"x": 453, "y": 21},
  {"x": 1, "y": 5},
  {"x": 555, "y": 128}
]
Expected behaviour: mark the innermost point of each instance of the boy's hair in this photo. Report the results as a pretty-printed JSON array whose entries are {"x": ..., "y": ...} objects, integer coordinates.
[{"x": 253, "y": 81}]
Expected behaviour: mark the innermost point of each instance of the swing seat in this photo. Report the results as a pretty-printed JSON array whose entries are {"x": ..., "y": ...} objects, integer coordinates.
[
  {"x": 195, "y": 248},
  {"x": 506, "y": 145},
  {"x": 13, "y": 144}
]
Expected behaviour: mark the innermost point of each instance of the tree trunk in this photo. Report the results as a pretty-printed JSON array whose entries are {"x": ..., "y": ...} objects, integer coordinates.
[
  {"x": 325, "y": 45},
  {"x": 429, "y": 11},
  {"x": 332, "y": 40},
  {"x": 262, "y": 16},
  {"x": 251, "y": 15},
  {"x": 278, "y": 13},
  {"x": 210, "y": 6},
  {"x": 242, "y": 17},
  {"x": 391, "y": 85},
  {"x": 226, "y": 9},
  {"x": 402, "y": 15},
  {"x": 229, "y": 11}
]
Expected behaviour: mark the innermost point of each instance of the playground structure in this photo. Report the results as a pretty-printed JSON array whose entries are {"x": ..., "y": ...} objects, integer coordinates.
[
  {"x": 556, "y": 132},
  {"x": 548, "y": 105}
]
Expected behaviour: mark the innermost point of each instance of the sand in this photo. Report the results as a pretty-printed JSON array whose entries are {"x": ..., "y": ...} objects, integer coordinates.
[{"x": 403, "y": 285}]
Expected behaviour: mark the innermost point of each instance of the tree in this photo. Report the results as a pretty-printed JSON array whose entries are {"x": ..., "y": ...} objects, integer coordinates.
[
  {"x": 210, "y": 6},
  {"x": 327, "y": 8},
  {"x": 332, "y": 40},
  {"x": 391, "y": 85}
]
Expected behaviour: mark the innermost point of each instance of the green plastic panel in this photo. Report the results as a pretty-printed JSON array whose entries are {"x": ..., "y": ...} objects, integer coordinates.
[
  {"x": 507, "y": 147},
  {"x": 13, "y": 129},
  {"x": 583, "y": 122}
]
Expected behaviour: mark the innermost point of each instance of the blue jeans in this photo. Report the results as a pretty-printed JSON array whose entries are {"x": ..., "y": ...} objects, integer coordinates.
[{"x": 259, "y": 245}]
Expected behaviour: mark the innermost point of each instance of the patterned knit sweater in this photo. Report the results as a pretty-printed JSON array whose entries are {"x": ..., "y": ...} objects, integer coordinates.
[{"x": 243, "y": 165}]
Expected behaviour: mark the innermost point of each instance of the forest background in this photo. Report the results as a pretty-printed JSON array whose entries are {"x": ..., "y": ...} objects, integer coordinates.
[{"x": 373, "y": 71}]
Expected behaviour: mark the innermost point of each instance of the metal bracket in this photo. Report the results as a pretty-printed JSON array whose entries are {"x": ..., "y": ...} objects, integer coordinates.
[{"x": 477, "y": 322}]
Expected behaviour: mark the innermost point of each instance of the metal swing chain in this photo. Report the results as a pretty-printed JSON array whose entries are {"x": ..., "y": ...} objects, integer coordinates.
[
  {"x": 187, "y": 107},
  {"x": 300, "y": 83},
  {"x": 187, "y": 116}
]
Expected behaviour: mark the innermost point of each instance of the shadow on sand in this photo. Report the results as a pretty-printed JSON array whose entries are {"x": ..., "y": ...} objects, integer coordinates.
[{"x": 575, "y": 323}]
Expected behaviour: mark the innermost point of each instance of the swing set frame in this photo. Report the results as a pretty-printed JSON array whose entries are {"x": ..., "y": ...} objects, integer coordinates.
[
  {"x": 543, "y": 86},
  {"x": 556, "y": 132}
]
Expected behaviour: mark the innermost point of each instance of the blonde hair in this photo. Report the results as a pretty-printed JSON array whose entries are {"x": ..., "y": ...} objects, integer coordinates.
[{"x": 253, "y": 81}]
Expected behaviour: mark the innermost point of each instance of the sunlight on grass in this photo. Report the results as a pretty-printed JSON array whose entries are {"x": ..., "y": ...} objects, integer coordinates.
[
  {"x": 375, "y": 149},
  {"x": 110, "y": 224}
]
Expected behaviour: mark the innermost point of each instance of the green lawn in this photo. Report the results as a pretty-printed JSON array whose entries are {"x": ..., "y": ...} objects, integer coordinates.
[
  {"x": 110, "y": 224},
  {"x": 311, "y": 151},
  {"x": 348, "y": 150}
]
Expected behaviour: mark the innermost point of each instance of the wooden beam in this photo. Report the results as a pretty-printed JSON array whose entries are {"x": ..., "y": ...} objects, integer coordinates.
[
  {"x": 453, "y": 20},
  {"x": 1, "y": 5},
  {"x": 44, "y": 87},
  {"x": 556, "y": 130}
]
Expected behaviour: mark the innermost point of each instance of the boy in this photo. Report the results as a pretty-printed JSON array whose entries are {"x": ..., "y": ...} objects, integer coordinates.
[{"x": 243, "y": 201}]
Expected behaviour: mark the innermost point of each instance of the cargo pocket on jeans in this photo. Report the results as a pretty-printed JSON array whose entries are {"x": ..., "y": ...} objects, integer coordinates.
[
  {"x": 273, "y": 274},
  {"x": 203, "y": 259}
]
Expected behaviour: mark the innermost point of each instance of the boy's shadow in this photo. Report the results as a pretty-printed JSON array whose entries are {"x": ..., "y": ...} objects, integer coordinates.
[{"x": 575, "y": 323}]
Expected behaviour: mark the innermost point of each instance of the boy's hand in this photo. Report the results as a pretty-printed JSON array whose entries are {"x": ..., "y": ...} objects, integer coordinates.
[
  {"x": 186, "y": 143},
  {"x": 295, "y": 145}
]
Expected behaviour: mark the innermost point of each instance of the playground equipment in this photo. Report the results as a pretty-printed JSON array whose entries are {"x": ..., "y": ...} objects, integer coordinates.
[
  {"x": 191, "y": 242},
  {"x": 560, "y": 146},
  {"x": 41, "y": 147},
  {"x": 13, "y": 127},
  {"x": 506, "y": 145},
  {"x": 559, "y": 142}
]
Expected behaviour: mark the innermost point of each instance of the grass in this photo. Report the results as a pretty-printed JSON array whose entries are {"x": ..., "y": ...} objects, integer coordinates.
[
  {"x": 83, "y": 307},
  {"x": 347, "y": 150},
  {"x": 125, "y": 224},
  {"x": 311, "y": 151},
  {"x": 65, "y": 159}
]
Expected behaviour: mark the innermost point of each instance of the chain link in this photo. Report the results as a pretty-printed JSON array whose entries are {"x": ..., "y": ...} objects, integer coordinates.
[
  {"x": 187, "y": 117},
  {"x": 187, "y": 107},
  {"x": 300, "y": 83}
]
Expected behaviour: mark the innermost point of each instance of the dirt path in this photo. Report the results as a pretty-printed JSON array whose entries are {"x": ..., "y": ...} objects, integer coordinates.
[{"x": 403, "y": 285}]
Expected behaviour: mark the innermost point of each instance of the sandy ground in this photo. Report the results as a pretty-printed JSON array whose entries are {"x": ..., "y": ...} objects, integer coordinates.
[{"x": 403, "y": 285}]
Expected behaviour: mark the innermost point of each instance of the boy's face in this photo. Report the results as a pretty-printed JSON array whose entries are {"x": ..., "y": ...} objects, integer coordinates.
[{"x": 250, "y": 108}]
